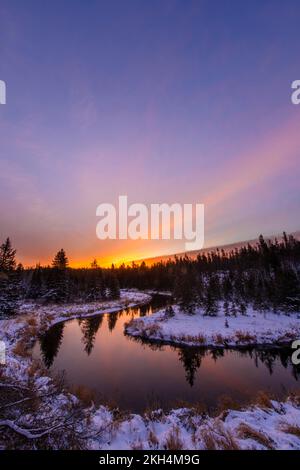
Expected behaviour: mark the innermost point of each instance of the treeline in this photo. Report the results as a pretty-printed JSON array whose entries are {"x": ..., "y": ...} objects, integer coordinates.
[
  {"x": 57, "y": 283},
  {"x": 264, "y": 276}
]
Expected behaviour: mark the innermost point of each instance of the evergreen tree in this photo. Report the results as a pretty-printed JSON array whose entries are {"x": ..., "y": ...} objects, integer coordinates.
[
  {"x": 242, "y": 308},
  {"x": 210, "y": 305},
  {"x": 10, "y": 280},
  {"x": 185, "y": 292},
  {"x": 9, "y": 294},
  {"x": 114, "y": 287},
  {"x": 60, "y": 260},
  {"x": 7, "y": 257},
  {"x": 226, "y": 308},
  {"x": 36, "y": 290},
  {"x": 233, "y": 309},
  {"x": 94, "y": 264}
]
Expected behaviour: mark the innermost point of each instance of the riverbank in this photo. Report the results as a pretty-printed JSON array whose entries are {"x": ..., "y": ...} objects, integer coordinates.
[
  {"x": 41, "y": 413},
  {"x": 251, "y": 329}
]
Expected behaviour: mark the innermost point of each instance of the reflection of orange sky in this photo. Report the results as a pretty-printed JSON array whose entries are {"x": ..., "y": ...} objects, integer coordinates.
[{"x": 110, "y": 259}]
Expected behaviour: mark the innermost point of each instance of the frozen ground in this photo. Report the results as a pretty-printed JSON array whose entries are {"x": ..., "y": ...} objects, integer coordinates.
[
  {"x": 268, "y": 424},
  {"x": 252, "y": 329},
  {"x": 271, "y": 426},
  {"x": 57, "y": 313}
]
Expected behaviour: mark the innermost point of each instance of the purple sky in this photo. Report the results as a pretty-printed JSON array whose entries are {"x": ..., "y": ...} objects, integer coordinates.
[{"x": 165, "y": 101}]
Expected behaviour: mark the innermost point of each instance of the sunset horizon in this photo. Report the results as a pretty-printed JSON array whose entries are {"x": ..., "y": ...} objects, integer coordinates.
[{"x": 149, "y": 232}]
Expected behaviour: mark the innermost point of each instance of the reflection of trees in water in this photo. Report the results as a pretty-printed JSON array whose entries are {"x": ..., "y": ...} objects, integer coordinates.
[
  {"x": 50, "y": 343},
  {"x": 191, "y": 359},
  {"x": 89, "y": 328},
  {"x": 112, "y": 320},
  {"x": 269, "y": 357},
  {"x": 157, "y": 302},
  {"x": 144, "y": 310}
]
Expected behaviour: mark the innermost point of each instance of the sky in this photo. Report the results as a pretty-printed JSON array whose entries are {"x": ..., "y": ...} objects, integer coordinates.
[{"x": 163, "y": 101}]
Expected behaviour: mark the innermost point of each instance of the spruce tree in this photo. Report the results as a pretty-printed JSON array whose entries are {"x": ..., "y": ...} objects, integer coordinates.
[
  {"x": 7, "y": 257},
  {"x": 185, "y": 292},
  {"x": 114, "y": 287},
  {"x": 60, "y": 260},
  {"x": 210, "y": 305}
]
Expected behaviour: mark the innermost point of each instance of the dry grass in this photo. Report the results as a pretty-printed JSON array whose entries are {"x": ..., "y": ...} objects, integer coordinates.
[
  {"x": 31, "y": 322},
  {"x": 152, "y": 330},
  {"x": 247, "y": 432},
  {"x": 138, "y": 445},
  {"x": 263, "y": 400},
  {"x": 208, "y": 439},
  {"x": 153, "y": 440},
  {"x": 46, "y": 321},
  {"x": 21, "y": 349},
  {"x": 34, "y": 367},
  {"x": 244, "y": 337},
  {"x": 173, "y": 441},
  {"x": 226, "y": 403},
  {"x": 189, "y": 339},
  {"x": 287, "y": 336},
  {"x": 84, "y": 394},
  {"x": 154, "y": 415},
  {"x": 218, "y": 438},
  {"x": 198, "y": 409},
  {"x": 30, "y": 332},
  {"x": 293, "y": 429},
  {"x": 295, "y": 397},
  {"x": 218, "y": 339}
]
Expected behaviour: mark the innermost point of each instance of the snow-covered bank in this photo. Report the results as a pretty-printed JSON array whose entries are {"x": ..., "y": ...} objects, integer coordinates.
[
  {"x": 271, "y": 426},
  {"x": 251, "y": 329},
  {"x": 53, "y": 313}
]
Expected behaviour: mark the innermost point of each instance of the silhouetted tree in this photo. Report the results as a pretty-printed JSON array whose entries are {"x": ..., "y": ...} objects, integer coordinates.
[
  {"x": 60, "y": 260},
  {"x": 7, "y": 257}
]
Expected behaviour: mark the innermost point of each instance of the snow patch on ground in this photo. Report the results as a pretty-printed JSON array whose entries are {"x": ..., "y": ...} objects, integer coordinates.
[
  {"x": 252, "y": 329},
  {"x": 258, "y": 428}
]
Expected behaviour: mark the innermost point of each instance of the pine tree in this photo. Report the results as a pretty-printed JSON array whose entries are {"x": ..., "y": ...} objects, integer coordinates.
[
  {"x": 210, "y": 305},
  {"x": 114, "y": 287},
  {"x": 233, "y": 309},
  {"x": 185, "y": 292},
  {"x": 226, "y": 308},
  {"x": 9, "y": 293},
  {"x": 169, "y": 312},
  {"x": 242, "y": 308},
  {"x": 94, "y": 264},
  {"x": 35, "y": 290},
  {"x": 10, "y": 280},
  {"x": 7, "y": 257},
  {"x": 60, "y": 260}
]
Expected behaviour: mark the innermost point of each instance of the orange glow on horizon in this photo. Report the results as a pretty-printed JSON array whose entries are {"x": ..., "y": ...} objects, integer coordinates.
[{"x": 107, "y": 261}]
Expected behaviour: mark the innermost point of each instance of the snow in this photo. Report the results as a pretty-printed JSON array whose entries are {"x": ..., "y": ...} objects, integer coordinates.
[
  {"x": 252, "y": 428},
  {"x": 54, "y": 313},
  {"x": 252, "y": 329}
]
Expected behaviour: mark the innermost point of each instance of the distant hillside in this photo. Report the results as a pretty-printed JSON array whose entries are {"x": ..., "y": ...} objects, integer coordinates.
[{"x": 228, "y": 247}]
